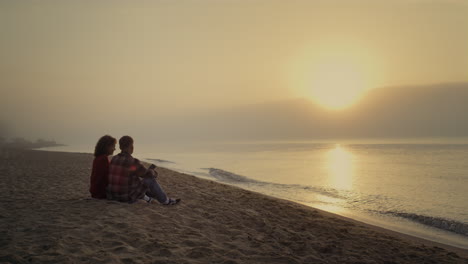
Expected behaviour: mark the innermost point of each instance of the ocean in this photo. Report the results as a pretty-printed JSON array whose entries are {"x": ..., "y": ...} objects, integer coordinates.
[{"x": 419, "y": 189}]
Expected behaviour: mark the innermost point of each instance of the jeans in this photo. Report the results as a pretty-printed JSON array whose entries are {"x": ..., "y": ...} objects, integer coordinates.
[{"x": 155, "y": 190}]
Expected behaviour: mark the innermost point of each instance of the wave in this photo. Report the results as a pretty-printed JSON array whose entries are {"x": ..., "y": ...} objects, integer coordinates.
[
  {"x": 437, "y": 222},
  {"x": 226, "y": 176},
  {"x": 161, "y": 161},
  {"x": 233, "y": 178}
]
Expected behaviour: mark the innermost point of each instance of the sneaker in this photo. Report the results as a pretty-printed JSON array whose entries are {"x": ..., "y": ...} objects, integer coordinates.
[{"x": 172, "y": 201}]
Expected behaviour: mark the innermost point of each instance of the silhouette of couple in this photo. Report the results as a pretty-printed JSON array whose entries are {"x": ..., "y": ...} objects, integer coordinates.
[{"x": 124, "y": 178}]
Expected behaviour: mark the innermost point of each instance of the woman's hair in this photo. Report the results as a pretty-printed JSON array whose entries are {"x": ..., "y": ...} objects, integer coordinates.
[{"x": 103, "y": 143}]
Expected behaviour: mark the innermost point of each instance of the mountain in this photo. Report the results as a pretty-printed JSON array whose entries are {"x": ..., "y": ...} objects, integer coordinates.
[
  {"x": 412, "y": 111},
  {"x": 390, "y": 112}
]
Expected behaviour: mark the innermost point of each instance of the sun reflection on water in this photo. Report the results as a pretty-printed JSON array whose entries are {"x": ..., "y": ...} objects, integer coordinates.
[{"x": 340, "y": 168}]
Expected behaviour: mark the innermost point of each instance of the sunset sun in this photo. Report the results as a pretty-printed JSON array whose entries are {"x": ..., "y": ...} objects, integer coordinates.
[
  {"x": 336, "y": 76},
  {"x": 337, "y": 85}
]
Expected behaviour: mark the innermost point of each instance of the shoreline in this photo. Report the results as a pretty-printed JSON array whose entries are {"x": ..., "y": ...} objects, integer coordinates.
[
  {"x": 430, "y": 225},
  {"x": 451, "y": 239},
  {"x": 405, "y": 226},
  {"x": 214, "y": 223}
]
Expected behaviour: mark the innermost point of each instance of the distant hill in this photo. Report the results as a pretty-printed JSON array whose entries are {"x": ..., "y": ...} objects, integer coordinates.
[
  {"x": 406, "y": 111},
  {"x": 412, "y": 111},
  {"x": 21, "y": 143}
]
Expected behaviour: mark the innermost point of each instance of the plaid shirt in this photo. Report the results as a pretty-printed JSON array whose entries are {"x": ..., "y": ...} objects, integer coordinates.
[{"x": 124, "y": 182}]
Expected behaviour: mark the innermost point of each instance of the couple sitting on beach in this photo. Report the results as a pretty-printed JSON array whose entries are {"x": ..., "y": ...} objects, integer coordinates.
[{"x": 124, "y": 179}]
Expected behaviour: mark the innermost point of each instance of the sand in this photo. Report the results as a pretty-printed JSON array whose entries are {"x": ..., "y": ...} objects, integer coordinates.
[{"x": 47, "y": 216}]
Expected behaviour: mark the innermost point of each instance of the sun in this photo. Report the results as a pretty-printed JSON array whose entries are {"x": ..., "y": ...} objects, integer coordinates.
[
  {"x": 337, "y": 75},
  {"x": 337, "y": 85}
]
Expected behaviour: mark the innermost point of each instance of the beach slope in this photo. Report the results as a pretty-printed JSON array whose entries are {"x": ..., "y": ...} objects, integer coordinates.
[{"x": 46, "y": 216}]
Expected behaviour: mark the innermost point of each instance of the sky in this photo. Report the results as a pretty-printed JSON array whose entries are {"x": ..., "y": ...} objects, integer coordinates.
[{"x": 72, "y": 69}]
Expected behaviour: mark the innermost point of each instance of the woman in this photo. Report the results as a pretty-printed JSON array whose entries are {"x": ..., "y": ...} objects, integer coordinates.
[{"x": 99, "y": 175}]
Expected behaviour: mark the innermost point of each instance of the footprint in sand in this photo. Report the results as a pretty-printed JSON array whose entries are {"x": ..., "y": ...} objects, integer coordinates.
[
  {"x": 192, "y": 243},
  {"x": 165, "y": 252},
  {"x": 200, "y": 252}
]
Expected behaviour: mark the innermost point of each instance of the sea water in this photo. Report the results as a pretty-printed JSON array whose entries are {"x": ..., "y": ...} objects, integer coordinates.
[{"x": 417, "y": 189}]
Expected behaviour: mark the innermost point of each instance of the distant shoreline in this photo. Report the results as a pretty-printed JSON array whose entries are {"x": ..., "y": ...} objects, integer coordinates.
[{"x": 20, "y": 143}]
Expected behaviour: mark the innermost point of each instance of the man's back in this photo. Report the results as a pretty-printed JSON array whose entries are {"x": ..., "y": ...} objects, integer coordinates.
[{"x": 124, "y": 183}]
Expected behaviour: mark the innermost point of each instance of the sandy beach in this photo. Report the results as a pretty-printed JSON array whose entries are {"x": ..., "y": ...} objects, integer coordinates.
[{"x": 47, "y": 216}]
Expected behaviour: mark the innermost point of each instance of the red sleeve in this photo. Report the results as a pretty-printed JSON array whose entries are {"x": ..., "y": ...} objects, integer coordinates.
[
  {"x": 140, "y": 170},
  {"x": 99, "y": 177},
  {"x": 102, "y": 168}
]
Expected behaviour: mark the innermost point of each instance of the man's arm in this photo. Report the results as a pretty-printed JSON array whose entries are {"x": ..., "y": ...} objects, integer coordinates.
[{"x": 143, "y": 172}]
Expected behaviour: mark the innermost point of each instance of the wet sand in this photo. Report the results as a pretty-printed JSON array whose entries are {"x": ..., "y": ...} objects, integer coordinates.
[{"x": 47, "y": 216}]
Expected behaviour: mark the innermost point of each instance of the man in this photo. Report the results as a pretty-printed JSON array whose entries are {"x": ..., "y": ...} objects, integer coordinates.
[{"x": 125, "y": 184}]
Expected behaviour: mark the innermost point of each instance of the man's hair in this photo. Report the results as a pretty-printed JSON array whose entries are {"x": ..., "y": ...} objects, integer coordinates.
[
  {"x": 103, "y": 143},
  {"x": 125, "y": 142}
]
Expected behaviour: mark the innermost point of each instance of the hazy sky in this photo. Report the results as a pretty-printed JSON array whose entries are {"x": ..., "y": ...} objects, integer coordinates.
[{"x": 102, "y": 66}]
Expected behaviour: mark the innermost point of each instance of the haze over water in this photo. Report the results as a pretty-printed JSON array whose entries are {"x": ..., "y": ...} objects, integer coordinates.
[{"x": 72, "y": 71}]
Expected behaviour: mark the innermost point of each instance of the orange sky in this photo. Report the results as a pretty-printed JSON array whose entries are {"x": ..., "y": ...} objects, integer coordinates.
[{"x": 84, "y": 58}]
